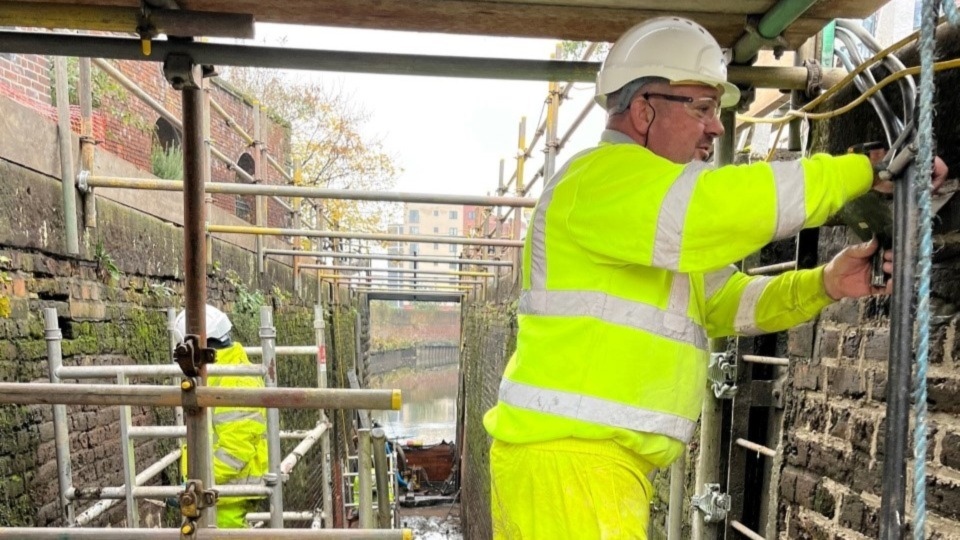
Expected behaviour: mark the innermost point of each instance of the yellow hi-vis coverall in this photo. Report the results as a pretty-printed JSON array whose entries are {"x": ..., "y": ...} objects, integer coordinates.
[
  {"x": 626, "y": 273},
  {"x": 239, "y": 442}
]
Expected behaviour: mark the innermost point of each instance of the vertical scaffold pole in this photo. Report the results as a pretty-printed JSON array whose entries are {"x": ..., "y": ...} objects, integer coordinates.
[
  {"x": 363, "y": 478},
  {"x": 268, "y": 341},
  {"x": 197, "y": 419},
  {"x": 129, "y": 461},
  {"x": 320, "y": 330},
  {"x": 61, "y": 435}
]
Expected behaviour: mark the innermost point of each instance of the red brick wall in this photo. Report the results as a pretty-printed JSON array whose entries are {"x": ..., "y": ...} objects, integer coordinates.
[{"x": 124, "y": 125}]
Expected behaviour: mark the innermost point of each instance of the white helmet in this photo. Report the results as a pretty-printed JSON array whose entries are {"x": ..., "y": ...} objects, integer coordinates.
[
  {"x": 218, "y": 324},
  {"x": 676, "y": 49}
]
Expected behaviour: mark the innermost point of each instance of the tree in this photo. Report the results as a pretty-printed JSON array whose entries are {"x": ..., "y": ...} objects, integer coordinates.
[{"x": 326, "y": 140}]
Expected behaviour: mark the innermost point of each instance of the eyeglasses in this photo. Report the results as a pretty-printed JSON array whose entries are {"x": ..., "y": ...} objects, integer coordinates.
[{"x": 703, "y": 109}]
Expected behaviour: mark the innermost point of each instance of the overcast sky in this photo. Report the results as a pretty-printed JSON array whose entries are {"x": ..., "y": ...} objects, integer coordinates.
[{"x": 447, "y": 134}]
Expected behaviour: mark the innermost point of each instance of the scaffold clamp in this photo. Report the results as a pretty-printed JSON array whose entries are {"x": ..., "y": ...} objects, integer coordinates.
[
  {"x": 191, "y": 357},
  {"x": 193, "y": 500},
  {"x": 722, "y": 373},
  {"x": 713, "y": 504}
]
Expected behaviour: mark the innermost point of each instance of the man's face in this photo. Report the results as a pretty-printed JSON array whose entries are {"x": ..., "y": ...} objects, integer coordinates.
[{"x": 685, "y": 121}]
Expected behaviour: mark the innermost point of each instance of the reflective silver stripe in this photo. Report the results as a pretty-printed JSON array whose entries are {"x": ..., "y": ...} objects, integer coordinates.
[
  {"x": 673, "y": 213},
  {"x": 713, "y": 281},
  {"x": 233, "y": 416},
  {"x": 595, "y": 410},
  {"x": 538, "y": 243},
  {"x": 746, "y": 321},
  {"x": 791, "y": 198},
  {"x": 679, "y": 301},
  {"x": 614, "y": 310},
  {"x": 229, "y": 459},
  {"x": 243, "y": 481}
]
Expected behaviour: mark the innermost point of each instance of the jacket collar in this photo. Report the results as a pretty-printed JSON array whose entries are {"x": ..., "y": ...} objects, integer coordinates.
[{"x": 612, "y": 136}]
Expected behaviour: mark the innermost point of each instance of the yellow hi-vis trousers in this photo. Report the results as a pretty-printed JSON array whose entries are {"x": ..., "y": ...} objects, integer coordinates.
[{"x": 568, "y": 489}]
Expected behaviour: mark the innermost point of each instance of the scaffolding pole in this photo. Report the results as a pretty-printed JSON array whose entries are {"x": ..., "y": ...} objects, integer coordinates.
[
  {"x": 308, "y": 442},
  {"x": 319, "y": 328},
  {"x": 67, "y": 176},
  {"x": 379, "y": 440},
  {"x": 61, "y": 435},
  {"x": 308, "y": 192},
  {"x": 386, "y": 257},
  {"x": 87, "y": 142},
  {"x": 64, "y": 533},
  {"x": 363, "y": 477},
  {"x": 268, "y": 335},
  {"x": 269, "y": 231},
  {"x": 396, "y": 270},
  {"x": 165, "y": 396},
  {"x": 129, "y": 460}
]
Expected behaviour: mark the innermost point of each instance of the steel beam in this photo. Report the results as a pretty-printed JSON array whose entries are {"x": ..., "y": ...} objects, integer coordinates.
[{"x": 787, "y": 78}]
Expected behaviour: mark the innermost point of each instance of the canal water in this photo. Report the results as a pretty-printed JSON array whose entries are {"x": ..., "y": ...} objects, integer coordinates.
[{"x": 428, "y": 415}]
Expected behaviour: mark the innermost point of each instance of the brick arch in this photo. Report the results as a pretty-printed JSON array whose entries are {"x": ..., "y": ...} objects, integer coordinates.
[
  {"x": 245, "y": 206},
  {"x": 166, "y": 134}
]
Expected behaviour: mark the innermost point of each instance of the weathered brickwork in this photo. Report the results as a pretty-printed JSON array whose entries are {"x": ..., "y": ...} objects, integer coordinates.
[
  {"x": 111, "y": 305},
  {"x": 127, "y": 127}
]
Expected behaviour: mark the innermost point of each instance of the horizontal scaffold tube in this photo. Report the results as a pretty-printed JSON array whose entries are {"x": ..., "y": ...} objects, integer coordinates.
[
  {"x": 64, "y": 533},
  {"x": 385, "y": 272},
  {"x": 287, "y": 516},
  {"x": 282, "y": 350},
  {"x": 168, "y": 396},
  {"x": 171, "y": 432},
  {"x": 385, "y": 257},
  {"x": 311, "y": 192},
  {"x": 301, "y": 450},
  {"x": 161, "y": 492},
  {"x": 169, "y": 370},
  {"x": 218, "y": 54},
  {"x": 427, "y": 239}
]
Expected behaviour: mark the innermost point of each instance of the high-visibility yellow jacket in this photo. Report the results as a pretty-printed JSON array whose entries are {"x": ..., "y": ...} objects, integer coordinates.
[
  {"x": 626, "y": 272},
  {"x": 239, "y": 439}
]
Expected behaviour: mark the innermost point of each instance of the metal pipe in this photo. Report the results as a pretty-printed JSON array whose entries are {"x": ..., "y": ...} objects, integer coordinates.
[
  {"x": 126, "y": 19},
  {"x": 161, "y": 492},
  {"x": 301, "y": 449},
  {"x": 207, "y": 171},
  {"x": 174, "y": 341},
  {"x": 166, "y": 396},
  {"x": 768, "y": 360},
  {"x": 268, "y": 231},
  {"x": 553, "y": 110},
  {"x": 399, "y": 271},
  {"x": 199, "y": 443},
  {"x": 772, "y": 268},
  {"x": 309, "y": 192},
  {"x": 87, "y": 142},
  {"x": 61, "y": 433},
  {"x": 379, "y": 440},
  {"x": 65, "y": 533},
  {"x": 319, "y": 329},
  {"x": 268, "y": 336},
  {"x": 144, "y": 371},
  {"x": 327, "y": 476},
  {"x": 363, "y": 477},
  {"x": 153, "y": 470},
  {"x": 283, "y": 350},
  {"x": 287, "y": 516},
  {"x": 261, "y": 204},
  {"x": 893, "y": 500},
  {"x": 129, "y": 462},
  {"x": 167, "y": 432},
  {"x": 758, "y": 448},
  {"x": 67, "y": 176},
  {"x": 133, "y": 88},
  {"x": 675, "y": 511},
  {"x": 744, "y": 530},
  {"x": 787, "y": 78},
  {"x": 773, "y": 22},
  {"x": 385, "y": 257}
]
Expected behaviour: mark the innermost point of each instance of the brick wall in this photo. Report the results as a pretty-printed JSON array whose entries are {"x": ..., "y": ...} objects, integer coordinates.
[
  {"x": 125, "y": 126},
  {"x": 109, "y": 320}
]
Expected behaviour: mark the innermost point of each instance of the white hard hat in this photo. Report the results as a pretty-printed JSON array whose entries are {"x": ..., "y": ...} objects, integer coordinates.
[
  {"x": 218, "y": 324},
  {"x": 676, "y": 49}
]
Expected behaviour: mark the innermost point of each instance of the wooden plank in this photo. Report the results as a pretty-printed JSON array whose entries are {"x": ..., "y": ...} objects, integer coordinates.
[{"x": 591, "y": 20}]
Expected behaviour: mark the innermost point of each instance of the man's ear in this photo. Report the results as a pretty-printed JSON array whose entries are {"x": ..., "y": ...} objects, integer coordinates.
[{"x": 641, "y": 114}]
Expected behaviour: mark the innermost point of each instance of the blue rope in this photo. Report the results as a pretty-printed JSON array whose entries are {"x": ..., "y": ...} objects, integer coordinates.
[{"x": 924, "y": 165}]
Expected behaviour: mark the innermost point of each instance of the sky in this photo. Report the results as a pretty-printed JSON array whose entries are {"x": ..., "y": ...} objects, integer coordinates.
[{"x": 447, "y": 134}]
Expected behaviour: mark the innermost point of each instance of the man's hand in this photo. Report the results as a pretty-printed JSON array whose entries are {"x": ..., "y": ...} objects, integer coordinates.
[
  {"x": 938, "y": 177},
  {"x": 848, "y": 274}
]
